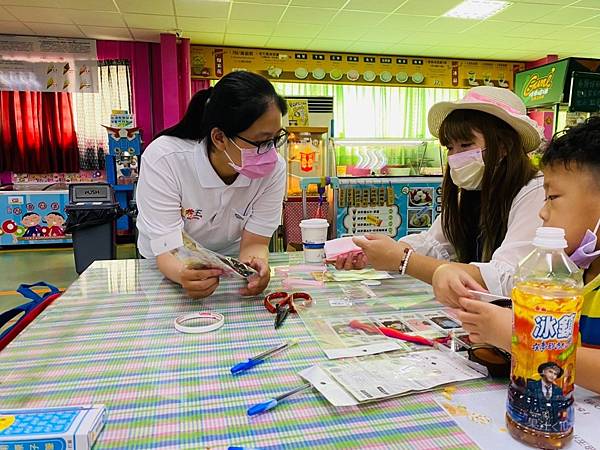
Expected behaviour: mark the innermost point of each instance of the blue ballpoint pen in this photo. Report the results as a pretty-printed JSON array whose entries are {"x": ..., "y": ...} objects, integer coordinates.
[
  {"x": 259, "y": 359},
  {"x": 273, "y": 402}
]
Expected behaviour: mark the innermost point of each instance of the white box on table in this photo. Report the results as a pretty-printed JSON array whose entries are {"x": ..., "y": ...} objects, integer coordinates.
[{"x": 54, "y": 428}]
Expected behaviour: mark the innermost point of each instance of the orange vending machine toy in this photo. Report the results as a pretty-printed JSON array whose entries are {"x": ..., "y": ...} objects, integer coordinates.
[
  {"x": 309, "y": 154},
  {"x": 306, "y": 156}
]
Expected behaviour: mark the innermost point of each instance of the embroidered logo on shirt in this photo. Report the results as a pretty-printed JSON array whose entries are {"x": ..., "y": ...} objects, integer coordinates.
[{"x": 191, "y": 213}]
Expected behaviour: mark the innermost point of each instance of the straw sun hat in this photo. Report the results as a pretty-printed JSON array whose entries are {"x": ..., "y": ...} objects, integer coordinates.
[{"x": 498, "y": 102}]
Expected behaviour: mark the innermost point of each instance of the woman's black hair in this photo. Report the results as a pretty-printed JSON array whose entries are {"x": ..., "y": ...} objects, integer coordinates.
[{"x": 232, "y": 105}]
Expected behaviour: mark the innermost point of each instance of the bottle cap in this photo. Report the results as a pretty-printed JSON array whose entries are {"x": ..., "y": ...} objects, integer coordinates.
[{"x": 550, "y": 237}]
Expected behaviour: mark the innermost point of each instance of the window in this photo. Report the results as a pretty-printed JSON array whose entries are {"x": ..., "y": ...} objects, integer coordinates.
[{"x": 376, "y": 111}]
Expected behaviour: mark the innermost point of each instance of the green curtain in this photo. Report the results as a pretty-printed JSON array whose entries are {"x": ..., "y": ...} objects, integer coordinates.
[{"x": 376, "y": 111}]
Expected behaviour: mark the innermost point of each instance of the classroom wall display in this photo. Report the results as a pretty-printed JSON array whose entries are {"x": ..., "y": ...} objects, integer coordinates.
[
  {"x": 392, "y": 206},
  {"x": 48, "y": 64},
  {"x": 33, "y": 217},
  {"x": 211, "y": 63}
]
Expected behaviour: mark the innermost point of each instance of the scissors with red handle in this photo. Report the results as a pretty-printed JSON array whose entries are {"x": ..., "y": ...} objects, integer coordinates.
[{"x": 284, "y": 304}]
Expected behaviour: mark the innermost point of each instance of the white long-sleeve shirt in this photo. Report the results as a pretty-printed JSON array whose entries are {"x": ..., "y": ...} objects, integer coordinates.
[{"x": 523, "y": 220}]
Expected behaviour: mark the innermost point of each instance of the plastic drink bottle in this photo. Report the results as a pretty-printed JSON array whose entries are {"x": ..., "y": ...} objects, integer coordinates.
[{"x": 547, "y": 300}]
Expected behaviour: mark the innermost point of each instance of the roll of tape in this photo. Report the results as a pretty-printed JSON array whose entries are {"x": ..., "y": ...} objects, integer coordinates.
[{"x": 218, "y": 321}]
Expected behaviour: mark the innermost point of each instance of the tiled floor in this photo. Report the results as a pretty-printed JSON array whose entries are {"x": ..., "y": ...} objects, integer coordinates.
[{"x": 53, "y": 265}]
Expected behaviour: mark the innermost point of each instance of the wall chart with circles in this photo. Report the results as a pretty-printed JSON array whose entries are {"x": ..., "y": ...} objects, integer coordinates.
[
  {"x": 393, "y": 206},
  {"x": 33, "y": 217}
]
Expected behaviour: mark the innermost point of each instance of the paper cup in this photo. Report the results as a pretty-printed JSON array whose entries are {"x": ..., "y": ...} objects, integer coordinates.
[{"x": 314, "y": 235}]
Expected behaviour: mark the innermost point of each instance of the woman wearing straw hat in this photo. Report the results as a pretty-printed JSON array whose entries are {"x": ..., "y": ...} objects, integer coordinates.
[{"x": 491, "y": 194}]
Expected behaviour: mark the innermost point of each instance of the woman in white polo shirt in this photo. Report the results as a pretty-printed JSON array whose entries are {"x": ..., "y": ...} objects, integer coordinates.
[{"x": 217, "y": 175}]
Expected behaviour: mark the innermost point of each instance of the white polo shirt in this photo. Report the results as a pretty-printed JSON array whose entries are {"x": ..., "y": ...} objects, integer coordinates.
[{"x": 178, "y": 188}]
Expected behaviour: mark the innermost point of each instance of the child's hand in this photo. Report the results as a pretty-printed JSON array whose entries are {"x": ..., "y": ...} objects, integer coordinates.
[
  {"x": 486, "y": 323},
  {"x": 450, "y": 282},
  {"x": 259, "y": 281}
]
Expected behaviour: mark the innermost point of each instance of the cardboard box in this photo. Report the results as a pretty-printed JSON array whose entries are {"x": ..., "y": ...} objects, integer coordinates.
[{"x": 59, "y": 428}]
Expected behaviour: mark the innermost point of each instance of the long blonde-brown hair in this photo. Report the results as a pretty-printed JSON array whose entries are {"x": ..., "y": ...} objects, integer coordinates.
[{"x": 472, "y": 218}]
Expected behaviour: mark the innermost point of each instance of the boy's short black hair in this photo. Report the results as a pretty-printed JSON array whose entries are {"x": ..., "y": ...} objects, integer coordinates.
[
  {"x": 55, "y": 213},
  {"x": 579, "y": 145},
  {"x": 33, "y": 213}
]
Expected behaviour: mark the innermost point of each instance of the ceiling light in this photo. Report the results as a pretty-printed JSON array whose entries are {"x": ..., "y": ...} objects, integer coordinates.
[{"x": 477, "y": 9}]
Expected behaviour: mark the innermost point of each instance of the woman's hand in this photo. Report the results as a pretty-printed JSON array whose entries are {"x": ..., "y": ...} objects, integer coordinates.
[
  {"x": 258, "y": 282},
  {"x": 200, "y": 283},
  {"x": 381, "y": 251},
  {"x": 450, "y": 283}
]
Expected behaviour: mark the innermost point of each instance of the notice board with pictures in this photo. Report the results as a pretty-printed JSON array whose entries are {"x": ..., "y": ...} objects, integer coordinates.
[
  {"x": 48, "y": 64},
  {"x": 394, "y": 206}
]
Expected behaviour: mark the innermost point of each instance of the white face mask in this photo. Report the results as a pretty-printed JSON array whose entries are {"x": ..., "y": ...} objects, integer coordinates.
[{"x": 466, "y": 169}]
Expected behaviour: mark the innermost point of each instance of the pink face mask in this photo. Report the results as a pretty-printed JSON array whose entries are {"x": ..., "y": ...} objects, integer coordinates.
[
  {"x": 254, "y": 166},
  {"x": 586, "y": 253}
]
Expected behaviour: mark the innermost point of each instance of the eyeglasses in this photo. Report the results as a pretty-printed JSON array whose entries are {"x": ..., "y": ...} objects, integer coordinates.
[{"x": 265, "y": 146}]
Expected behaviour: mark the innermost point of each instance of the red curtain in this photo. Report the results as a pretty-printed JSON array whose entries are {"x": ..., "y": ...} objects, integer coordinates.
[{"x": 37, "y": 133}]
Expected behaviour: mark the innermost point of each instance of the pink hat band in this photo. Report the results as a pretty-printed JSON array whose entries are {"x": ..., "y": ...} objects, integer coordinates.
[{"x": 473, "y": 97}]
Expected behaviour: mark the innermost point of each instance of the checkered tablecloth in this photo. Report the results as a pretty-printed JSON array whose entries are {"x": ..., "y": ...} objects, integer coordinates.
[{"x": 110, "y": 339}]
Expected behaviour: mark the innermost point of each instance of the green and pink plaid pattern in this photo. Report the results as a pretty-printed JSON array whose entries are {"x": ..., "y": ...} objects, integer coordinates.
[{"x": 110, "y": 339}]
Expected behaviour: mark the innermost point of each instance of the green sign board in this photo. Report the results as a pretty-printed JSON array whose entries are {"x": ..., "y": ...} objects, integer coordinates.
[{"x": 543, "y": 85}]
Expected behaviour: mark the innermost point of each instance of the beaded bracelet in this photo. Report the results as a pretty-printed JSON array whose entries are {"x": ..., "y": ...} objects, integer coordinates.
[
  {"x": 408, "y": 252},
  {"x": 405, "y": 251}
]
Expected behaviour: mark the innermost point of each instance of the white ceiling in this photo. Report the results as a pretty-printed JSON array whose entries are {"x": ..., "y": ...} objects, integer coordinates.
[{"x": 526, "y": 30}]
